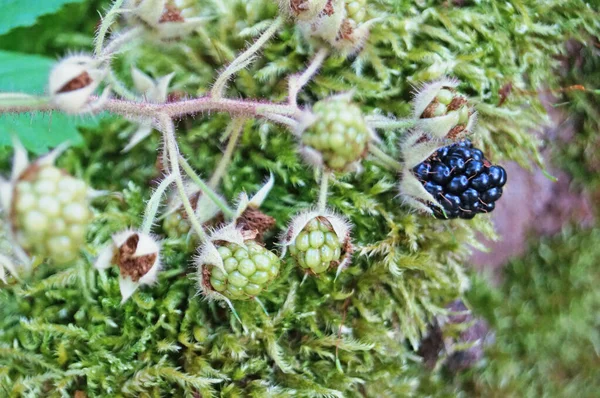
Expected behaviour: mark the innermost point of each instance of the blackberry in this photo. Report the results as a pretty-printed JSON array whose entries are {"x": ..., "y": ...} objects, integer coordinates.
[
  {"x": 250, "y": 270},
  {"x": 51, "y": 213},
  {"x": 317, "y": 247},
  {"x": 461, "y": 180},
  {"x": 339, "y": 133}
]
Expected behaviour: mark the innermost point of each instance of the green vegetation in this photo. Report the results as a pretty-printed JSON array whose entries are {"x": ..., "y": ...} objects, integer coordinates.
[{"x": 63, "y": 329}]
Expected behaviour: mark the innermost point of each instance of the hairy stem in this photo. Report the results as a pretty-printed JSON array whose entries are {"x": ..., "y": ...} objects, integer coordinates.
[
  {"x": 385, "y": 159},
  {"x": 384, "y": 123},
  {"x": 169, "y": 132},
  {"x": 119, "y": 88},
  {"x": 299, "y": 81},
  {"x": 323, "y": 189},
  {"x": 244, "y": 59},
  {"x": 234, "y": 132},
  {"x": 154, "y": 203},
  {"x": 106, "y": 23},
  {"x": 119, "y": 41},
  {"x": 19, "y": 100},
  {"x": 205, "y": 189}
]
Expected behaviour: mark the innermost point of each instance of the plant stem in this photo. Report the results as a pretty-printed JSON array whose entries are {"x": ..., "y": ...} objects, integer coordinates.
[
  {"x": 323, "y": 189},
  {"x": 119, "y": 88},
  {"x": 107, "y": 21},
  {"x": 299, "y": 81},
  {"x": 205, "y": 189},
  {"x": 244, "y": 59},
  {"x": 234, "y": 132},
  {"x": 385, "y": 159},
  {"x": 169, "y": 132},
  {"x": 118, "y": 41},
  {"x": 384, "y": 123},
  {"x": 175, "y": 109},
  {"x": 153, "y": 203},
  {"x": 18, "y": 102}
]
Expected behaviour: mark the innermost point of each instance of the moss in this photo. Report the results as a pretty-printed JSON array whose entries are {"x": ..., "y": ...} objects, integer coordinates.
[{"x": 64, "y": 330}]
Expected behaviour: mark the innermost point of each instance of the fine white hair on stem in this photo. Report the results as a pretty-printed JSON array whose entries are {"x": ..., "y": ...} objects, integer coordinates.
[
  {"x": 244, "y": 59},
  {"x": 173, "y": 154},
  {"x": 154, "y": 203},
  {"x": 297, "y": 82}
]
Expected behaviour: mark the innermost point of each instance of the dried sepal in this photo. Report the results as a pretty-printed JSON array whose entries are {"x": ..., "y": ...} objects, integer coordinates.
[
  {"x": 138, "y": 257},
  {"x": 303, "y": 10},
  {"x": 441, "y": 111},
  {"x": 244, "y": 202},
  {"x": 163, "y": 19},
  {"x": 414, "y": 194}
]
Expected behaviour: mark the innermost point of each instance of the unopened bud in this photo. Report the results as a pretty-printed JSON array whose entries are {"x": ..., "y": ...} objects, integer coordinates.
[{"x": 72, "y": 81}]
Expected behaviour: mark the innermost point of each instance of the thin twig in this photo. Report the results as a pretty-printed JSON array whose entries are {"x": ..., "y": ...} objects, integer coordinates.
[
  {"x": 299, "y": 81},
  {"x": 153, "y": 204},
  {"x": 107, "y": 21},
  {"x": 243, "y": 59},
  {"x": 234, "y": 132},
  {"x": 323, "y": 189},
  {"x": 385, "y": 159},
  {"x": 169, "y": 132},
  {"x": 205, "y": 189}
]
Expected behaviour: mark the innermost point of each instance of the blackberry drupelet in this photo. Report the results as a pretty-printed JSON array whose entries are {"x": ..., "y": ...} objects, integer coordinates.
[{"x": 462, "y": 180}]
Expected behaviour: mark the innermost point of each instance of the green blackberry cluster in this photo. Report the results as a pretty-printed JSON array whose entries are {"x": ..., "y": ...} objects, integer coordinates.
[
  {"x": 356, "y": 10},
  {"x": 317, "y": 247},
  {"x": 249, "y": 270},
  {"x": 449, "y": 100},
  {"x": 175, "y": 225},
  {"x": 339, "y": 133},
  {"x": 51, "y": 213}
]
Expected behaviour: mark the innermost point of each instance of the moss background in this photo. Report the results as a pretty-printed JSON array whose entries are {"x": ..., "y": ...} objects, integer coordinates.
[{"x": 63, "y": 332}]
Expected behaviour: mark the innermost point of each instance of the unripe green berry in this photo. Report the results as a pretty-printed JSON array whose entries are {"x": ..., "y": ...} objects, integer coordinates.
[
  {"x": 249, "y": 270},
  {"x": 339, "y": 133},
  {"x": 448, "y": 101},
  {"x": 51, "y": 213},
  {"x": 356, "y": 10},
  {"x": 317, "y": 247},
  {"x": 175, "y": 225}
]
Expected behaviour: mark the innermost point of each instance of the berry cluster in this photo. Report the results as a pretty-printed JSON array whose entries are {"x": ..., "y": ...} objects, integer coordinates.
[
  {"x": 356, "y": 11},
  {"x": 317, "y": 247},
  {"x": 51, "y": 213},
  {"x": 339, "y": 133},
  {"x": 249, "y": 270},
  {"x": 175, "y": 225},
  {"x": 462, "y": 180}
]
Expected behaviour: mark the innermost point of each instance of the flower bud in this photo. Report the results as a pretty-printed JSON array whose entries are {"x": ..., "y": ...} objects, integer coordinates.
[
  {"x": 138, "y": 257},
  {"x": 72, "y": 81},
  {"x": 319, "y": 241},
  {"x": 442, "y": 112}
]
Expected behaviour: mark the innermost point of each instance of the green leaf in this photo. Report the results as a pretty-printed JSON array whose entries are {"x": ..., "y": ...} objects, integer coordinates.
[
  {"x": 39, "y": 131},
  {"x": 17, "y": 13}
]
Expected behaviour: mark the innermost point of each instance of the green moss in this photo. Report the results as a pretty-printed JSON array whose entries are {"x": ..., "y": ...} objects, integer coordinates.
[
  {"x": 545, "y": 321},
  {"x": 64, "y": 330}
]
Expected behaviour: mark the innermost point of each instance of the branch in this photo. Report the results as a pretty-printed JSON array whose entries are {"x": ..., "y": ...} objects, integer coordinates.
[{"x": 244, "y": 59}]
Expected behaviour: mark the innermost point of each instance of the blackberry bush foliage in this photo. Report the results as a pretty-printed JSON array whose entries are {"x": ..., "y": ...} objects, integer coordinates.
[{"x": 212, "y": 303}]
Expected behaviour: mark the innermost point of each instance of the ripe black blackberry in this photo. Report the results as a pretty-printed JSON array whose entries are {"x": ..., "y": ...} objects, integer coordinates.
[{"x": 462, "y": 180}]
